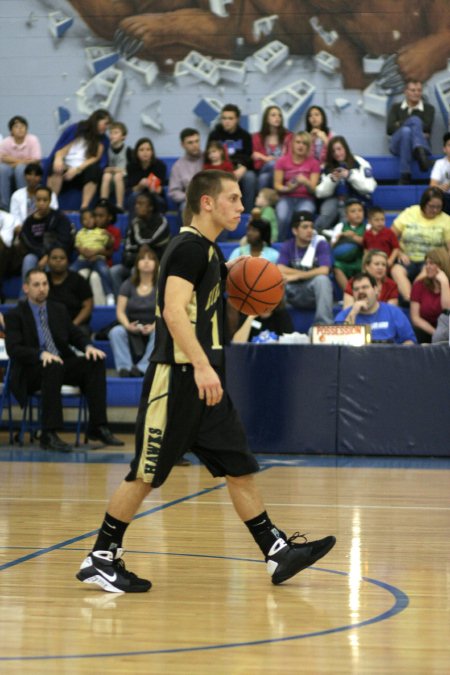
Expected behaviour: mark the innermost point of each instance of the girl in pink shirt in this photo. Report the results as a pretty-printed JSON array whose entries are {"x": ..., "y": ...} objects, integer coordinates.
[{"x": 295, "y": 178}]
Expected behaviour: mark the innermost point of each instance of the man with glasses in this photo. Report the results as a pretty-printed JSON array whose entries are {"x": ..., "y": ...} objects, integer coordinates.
[
  {"x": 409, "y": 127},
  {"x": 238, "y": 143},
  {"x": 388, "y": 323}
]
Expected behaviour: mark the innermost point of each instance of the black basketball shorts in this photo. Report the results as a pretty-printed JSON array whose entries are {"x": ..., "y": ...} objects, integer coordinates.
[{"x": 172, "y": 420}]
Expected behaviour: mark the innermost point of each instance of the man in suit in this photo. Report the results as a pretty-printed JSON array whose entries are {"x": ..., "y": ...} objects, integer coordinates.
[
  {"x": 409, "y": 125},
  {"x": 39, "y": 337}
]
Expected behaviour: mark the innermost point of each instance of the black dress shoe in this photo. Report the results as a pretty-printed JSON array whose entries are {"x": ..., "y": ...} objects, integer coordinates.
[
  {"x": 51, "y": 441},
  {"x": 135, "y": 372},
  {"x": 104, "y": 435},
  {"x": 123, "y": 372},
  {"x": 422, "y": 156}
]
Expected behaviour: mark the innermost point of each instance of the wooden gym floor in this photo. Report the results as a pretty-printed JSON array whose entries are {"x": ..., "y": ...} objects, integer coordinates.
[{"x": 377, "y": 604}]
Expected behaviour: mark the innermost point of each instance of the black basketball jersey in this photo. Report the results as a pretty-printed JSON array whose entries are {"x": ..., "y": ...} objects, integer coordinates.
[{"x": 191, "y": 256}]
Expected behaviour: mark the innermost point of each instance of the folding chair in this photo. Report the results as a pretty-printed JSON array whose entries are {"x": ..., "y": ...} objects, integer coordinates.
[
  {"x": 69, "y": 395},
  {"x": 5, "y": 391}
]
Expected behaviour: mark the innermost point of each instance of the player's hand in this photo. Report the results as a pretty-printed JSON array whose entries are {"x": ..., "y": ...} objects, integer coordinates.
[
  {"x": 94, "y": 354},
  {"x": 48, "y": 357},
  {"x": 209, "y": 385},
  {"x": 230, "y": 263}
]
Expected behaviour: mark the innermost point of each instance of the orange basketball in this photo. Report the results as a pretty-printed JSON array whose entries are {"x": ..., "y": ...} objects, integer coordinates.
[{"x": 254, "y": 286}]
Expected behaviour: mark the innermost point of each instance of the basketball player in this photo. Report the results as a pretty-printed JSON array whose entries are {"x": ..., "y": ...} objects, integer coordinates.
[{"x": 184, "y": 406}]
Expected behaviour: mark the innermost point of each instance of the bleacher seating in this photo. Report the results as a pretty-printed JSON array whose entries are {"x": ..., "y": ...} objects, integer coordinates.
[
  {"x": 386, "y": 169},
  {"x": 126, "y": 392}
]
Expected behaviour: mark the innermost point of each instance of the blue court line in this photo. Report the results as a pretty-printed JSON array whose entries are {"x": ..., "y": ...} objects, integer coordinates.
[
  {"x": 67, "y": 542},
  {"x": 102, "y": 456},
  {"x": 401, "y": 602}
]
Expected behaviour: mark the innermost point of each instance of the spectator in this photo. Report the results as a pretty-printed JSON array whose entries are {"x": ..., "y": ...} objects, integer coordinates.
[
  {"x": 258, "y": 242},
  {"x": 419, "y": 228},
  {"x": 388, "y": 323},
  {"x": 132, "y": 340},
  {"x": 216, "y": 158},
  {"x": 238, "y": 143},
  {"x": 440, "y": 174},
  {"x": 317, "y": 126},
  {"x": 379, "y": 237},
  {"x": 70, "y": 289},
  {"x": 105, "y": 215},
  {"x": 93, "y": 244},
  {"x": 345, "y": 176},
  {"x": 441, "y": 334},
  {"x": 305, "y": 263},
  {"x": 16, "y": 151},
  {"x": 430, "y": 295},
  {"x": 146, "y": 172},
  {"x": 376, "y": 264},
  {"x": 275, "y": 322},
  {"x": 79, "y": 156},
  {"x": 115, "y": 172},
  {"x": 270, "y": 143},
  {"x": 42, "y": 230},
  {"x": 295, "y": 179},
  {"x": 265, "y": 202},
  {"x": 10, "y": 255},
  {"x": 409, "y": 126},
  {"x": 346, "y": 242},
  {"x": 186, "y": 167},
  {"x": 23, "y": 200},
  {"x": 39, "y": 337},
  {"x": 145, "y": 226}
]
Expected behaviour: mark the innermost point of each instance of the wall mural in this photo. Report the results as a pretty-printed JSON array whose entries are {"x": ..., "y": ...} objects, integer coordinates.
[{"x": 163, "y": 64}]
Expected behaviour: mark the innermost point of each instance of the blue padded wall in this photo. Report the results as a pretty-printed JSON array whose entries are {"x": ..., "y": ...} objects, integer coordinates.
[
  {"x": 394, "y": 400},
  {"x": 286, "y": 396}
]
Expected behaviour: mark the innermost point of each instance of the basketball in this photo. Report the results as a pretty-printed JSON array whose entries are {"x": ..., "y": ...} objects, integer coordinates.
[{"x": 254, "y": 286}]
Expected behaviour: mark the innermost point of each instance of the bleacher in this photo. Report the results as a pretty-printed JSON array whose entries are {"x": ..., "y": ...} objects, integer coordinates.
[{"x": 125, "y": 392}]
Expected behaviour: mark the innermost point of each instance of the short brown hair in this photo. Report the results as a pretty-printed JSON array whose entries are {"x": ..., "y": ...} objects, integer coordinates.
[
  {"x": 207, "y": 182},
  {"x": 119, "y": 125}
]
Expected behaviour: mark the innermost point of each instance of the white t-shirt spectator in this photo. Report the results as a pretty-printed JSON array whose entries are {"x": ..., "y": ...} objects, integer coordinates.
[
  {"x": 21, "y": 206},
  {"x": 441, "y": 171}
]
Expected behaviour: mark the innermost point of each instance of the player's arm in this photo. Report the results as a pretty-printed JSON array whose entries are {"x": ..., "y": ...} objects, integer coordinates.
[{"x": 177, "y": 295}]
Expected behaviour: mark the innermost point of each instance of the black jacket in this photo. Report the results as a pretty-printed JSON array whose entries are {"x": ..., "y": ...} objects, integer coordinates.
[
  {"x": 397, "y": 115},
  {"x": 239, "y": 145},
  {"x": 40, "y": 235},
  {"x": 22, "y": 341}
]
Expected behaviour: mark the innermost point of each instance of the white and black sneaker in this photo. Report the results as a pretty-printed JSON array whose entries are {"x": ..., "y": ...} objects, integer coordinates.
[
  {"x": 286, "y": 558},
  {"x": 106, "y": 570}
]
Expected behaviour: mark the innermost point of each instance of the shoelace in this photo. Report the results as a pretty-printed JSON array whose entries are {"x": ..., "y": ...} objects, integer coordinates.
[{"x": 295, "y": 536}]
